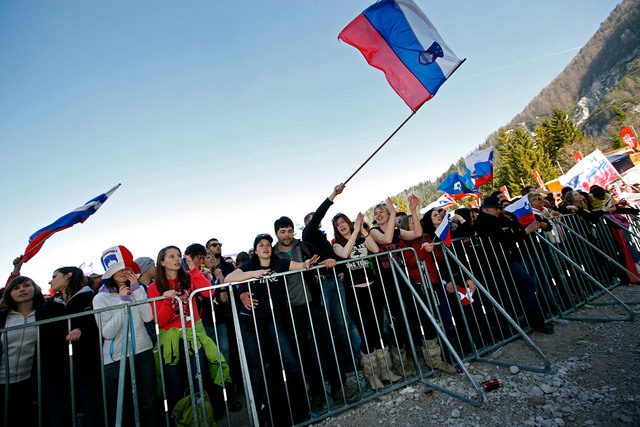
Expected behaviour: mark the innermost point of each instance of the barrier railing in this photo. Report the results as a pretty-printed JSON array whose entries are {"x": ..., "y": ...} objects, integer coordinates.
[{"x": 304, "y": 355}]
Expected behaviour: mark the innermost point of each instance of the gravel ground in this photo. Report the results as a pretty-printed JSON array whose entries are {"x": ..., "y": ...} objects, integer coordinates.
[{"x": 593, "y": 380}]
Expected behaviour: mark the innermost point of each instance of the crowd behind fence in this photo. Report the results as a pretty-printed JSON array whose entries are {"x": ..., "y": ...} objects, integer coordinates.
[{"x": 400, "y": 317}]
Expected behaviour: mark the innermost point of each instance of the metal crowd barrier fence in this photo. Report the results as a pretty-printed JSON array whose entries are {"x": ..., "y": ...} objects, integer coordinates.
[
  {"x": 315, "y": 345},
  {"x": 128, "y": 366}
]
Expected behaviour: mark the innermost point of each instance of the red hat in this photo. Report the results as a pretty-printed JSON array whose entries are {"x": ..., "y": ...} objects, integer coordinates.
[{"x": 117, "y": 258}]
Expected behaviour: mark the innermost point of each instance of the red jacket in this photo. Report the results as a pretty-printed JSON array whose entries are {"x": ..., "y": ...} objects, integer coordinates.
[
  {"x": 423, "y": 255},
  {"x": 168, "y": 310}
]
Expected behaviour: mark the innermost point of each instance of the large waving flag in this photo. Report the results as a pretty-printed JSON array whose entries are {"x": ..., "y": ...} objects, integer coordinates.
[
  {"x": 458, "y": 186},
  {"x": 480, "y": 164},
  {"x": 78, "y": 215},
  {"x": 521, "y": 208},
  {"x": 444, "y": 230},
  {"x": 396, "y": 37},
  {"x": 594, "y": 169}
]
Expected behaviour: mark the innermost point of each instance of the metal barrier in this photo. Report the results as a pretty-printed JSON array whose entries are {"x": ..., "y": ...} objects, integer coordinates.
[{"x": 304, "y": 358}]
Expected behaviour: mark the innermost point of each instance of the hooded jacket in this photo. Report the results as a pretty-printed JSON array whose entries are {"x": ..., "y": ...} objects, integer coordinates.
[{"x": 111, "y": 322}]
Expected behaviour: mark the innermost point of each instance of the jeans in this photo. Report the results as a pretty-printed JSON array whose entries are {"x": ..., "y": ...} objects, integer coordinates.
[
  {"x": 222, "y": 341},
  {"x": 146, "y": 389},
  {"x": 335, "y": 302},
  {"x": 175, "y": 376},
  {"x": 261, "y": 348},
  {"x": 526, "y": 286}
]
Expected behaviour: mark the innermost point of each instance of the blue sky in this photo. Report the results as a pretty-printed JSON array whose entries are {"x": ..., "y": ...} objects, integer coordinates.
[{"x": 219, "y": 117}]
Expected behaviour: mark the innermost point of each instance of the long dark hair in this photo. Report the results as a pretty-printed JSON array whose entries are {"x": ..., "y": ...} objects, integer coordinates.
[
  {"x": 427, "y": 224},
  {"x": 340, "y": 239},
  {"x": 162, "y": 284},
  {"x": 7, "y": 300},
  {"x": 77, "y": 280}
]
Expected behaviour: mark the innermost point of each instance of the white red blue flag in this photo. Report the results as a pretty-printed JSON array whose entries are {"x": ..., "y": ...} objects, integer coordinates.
[
  {"x": 480, "y": 164},
  {"x": 594, "y": 169},
  {"x": 443, "y": 202},
  {"x": 521, "y": 208},
  {"x": 396, "y": 37},
  {"x": 465, "y": 295},
  {"x": 74, "y": 217},
  {"x": 444, "y": 230}
]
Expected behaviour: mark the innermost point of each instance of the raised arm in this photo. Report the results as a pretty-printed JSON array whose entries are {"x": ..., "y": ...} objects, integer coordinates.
[
  {"x": 387, "y": 237},
  {"x": 417, "y": 227}
]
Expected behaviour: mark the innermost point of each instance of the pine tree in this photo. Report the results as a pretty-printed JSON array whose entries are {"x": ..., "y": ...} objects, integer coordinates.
[
  {"x": 618, "y": 123},
  {"x": 519, "y": 157},
  {"x": 557, "y": 132}
]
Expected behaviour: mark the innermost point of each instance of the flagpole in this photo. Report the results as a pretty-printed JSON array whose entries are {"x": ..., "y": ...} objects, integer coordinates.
[
  {"x": 380, "y": 148},
  {"x": 399, "y": 127}
]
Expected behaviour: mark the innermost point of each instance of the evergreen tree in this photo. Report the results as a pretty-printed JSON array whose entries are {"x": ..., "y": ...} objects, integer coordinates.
[
  {"x": 557, "y": 132},
  {"x": 619, "y": 118},
  {"x": 519, "y": 157}
]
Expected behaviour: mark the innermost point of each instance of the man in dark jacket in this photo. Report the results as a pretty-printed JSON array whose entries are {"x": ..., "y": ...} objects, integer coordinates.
[
  {"x": 508, "y": 233},
  {"x": 310, "y": 321},
  {"x": 332, "y": 288}
]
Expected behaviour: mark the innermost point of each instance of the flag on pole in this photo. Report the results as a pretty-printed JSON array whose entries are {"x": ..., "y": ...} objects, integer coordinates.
[
  {"x": 396, "y": 37},
  {"x": 458, "y": 186},
  {"x": 78, "y": 215},
  {"x": 505, "y": 190},
  {"x": 444, "y": 230},
  {"x": 480, "y": 164},
  {"x": 443, "y": 202},
  {"x": 521, "y": 208}
]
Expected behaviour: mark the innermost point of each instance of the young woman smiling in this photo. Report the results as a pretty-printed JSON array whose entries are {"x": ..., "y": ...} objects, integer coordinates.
[{"x": 21, "y": 299}]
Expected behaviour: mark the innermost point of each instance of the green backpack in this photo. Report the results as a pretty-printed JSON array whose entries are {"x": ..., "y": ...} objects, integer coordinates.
[{"x": 182, "y": 413}]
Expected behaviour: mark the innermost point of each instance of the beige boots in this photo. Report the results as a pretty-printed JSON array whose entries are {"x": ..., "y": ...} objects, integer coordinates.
[
  {"x": 376, "y": 367},
  {"x": 433, "y": 357},
  {"x": 385, "y": 366},
  {"x": 370, "y": 370},
  {"x": 401, "y": 360}
]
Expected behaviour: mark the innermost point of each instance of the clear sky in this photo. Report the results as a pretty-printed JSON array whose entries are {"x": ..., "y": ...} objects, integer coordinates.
[{"x": 218, "y": 117}]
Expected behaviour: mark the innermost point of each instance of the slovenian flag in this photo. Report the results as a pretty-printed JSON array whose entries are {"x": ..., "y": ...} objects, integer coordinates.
[
  {"x": 396, "y": 37},
  {"x": 74, "y": 217},
  {"x": 444, "y": 230},
  {"x": 480, "y": 164},
  {"x": 458, "y": 186},
  {"x": 521, "y": 208}
]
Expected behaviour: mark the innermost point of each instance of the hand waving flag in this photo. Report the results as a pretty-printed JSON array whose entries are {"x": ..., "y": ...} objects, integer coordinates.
[
  {"x": 396, "y": 37},
  {"x": 80, "y": 214}
]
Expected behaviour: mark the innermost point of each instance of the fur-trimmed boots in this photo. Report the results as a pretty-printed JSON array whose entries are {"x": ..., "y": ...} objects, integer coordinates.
[
  {"x": 433, "y": 353},
  {"x": 370, "y": 370}
]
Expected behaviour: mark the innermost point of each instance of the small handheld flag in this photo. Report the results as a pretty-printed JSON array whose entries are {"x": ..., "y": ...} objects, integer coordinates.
[
  {"x": 521, "y": 208},
  {"x": 444, "y": 230},
  {"x": 78, "y": 215},
  {"x": 465, "y": 295},
  {"x": 396, "y": 37}
]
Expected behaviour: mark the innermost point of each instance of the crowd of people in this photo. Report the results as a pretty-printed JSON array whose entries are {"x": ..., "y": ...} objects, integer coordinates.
[{"x": 302, "y": 332}]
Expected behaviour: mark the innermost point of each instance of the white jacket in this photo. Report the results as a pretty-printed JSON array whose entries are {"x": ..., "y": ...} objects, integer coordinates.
[
  {"x": 111, "y": 323},
  {"x": 20, "y": 349}
]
